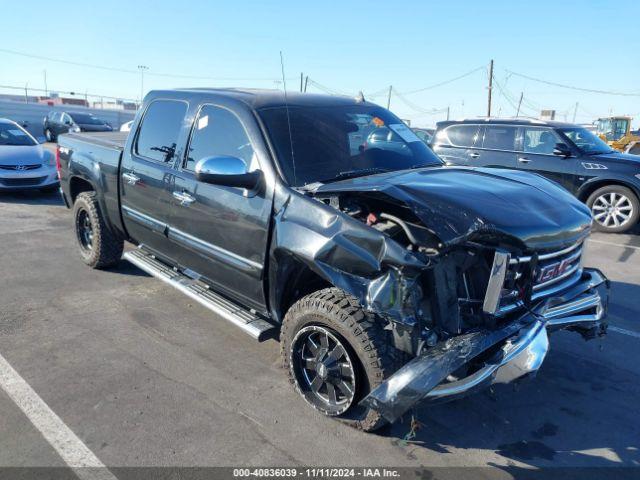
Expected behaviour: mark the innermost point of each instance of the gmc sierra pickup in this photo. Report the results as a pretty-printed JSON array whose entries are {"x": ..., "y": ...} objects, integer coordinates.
[{"x": 389, "y": 278}]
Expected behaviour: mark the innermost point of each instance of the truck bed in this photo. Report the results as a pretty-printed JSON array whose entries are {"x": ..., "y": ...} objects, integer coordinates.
[
  {"x": 93, "y": 157},
  {"x": 104, "y": 139}
]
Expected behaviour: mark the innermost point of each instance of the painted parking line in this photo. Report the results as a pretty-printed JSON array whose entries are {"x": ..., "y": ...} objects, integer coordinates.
[
  {"x": 621, "y": 245},
  {"x": 623, "y": 331},
  {"x": 75, "y": 454}
]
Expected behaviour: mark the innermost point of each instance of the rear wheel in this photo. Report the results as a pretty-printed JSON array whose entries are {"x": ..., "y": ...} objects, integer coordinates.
[
  {"x": 98, "y": 246},
  {"x": 335, "y": 354},
  {"x": 615, "y": 209},
  {"x": 49, "y": 135}
]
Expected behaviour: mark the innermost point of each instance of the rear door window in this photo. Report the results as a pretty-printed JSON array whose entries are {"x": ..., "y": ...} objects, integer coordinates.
[
  {"x": 498, "y": 137},
  {"x": 459, "y": 135},
  {"x": 158, "y": 136}
]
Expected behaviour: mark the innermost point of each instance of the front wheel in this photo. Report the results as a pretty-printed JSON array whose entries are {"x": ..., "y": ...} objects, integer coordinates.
[
  {"x": 335, "y": 354},
  {"x": 615, "y": 209},
  {"x": 98, "y": 246}
]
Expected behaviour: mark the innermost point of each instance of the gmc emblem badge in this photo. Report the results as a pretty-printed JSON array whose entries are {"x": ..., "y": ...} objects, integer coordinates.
[{"x": 549, "y": 272}]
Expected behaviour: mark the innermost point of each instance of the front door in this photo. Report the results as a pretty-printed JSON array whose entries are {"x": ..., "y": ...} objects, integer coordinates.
[
  {"x": 222, "y": 232},
  {"x": 147, "y": 175},
  {"x": 536, "y": 155}
]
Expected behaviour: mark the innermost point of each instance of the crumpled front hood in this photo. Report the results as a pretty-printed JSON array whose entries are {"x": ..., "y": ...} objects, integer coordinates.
[
  {"x": 458, "y": 202},
  {"x": 22, "y": 155}
]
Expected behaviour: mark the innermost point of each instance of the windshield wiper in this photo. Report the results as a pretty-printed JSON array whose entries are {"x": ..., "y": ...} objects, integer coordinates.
[{"x": 354, "y": 173}]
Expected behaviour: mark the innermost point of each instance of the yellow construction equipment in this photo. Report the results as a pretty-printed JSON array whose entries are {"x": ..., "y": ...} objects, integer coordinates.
[{"x": 616, "y": 131}]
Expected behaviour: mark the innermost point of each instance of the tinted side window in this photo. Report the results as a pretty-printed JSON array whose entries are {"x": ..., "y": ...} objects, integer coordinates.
[
  {"x": 459, "y": 135},
  {"x": 218, "y": 132},
  {"x": 160, "y": 128},
  {"x": 497, "y": 137},
  {"x": 540, "y": 140}
]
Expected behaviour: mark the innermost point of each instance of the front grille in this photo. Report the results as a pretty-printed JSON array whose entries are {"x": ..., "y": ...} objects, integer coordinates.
[
  {"x": 553, "y": 273},
  {"x": 21, "y": 182},
  {"x": 20, "y": 167}
]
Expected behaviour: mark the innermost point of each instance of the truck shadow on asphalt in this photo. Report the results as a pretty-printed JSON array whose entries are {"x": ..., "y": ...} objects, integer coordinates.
[{"x": 31, "y": 197}]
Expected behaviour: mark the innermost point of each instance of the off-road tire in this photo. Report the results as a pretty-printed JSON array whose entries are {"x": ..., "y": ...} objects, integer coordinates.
[
  {"x": 106, "y": 248},
  {"x": 375, "y": 357},
  {"x": 619, "y": 190}
]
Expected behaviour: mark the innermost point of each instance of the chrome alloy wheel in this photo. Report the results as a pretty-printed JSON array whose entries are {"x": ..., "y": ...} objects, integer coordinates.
[
  {"x": 323, "y": 370},
  {"x": 612, "y": 210}
]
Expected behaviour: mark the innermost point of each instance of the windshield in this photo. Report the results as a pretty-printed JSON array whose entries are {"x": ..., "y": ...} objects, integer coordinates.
[
  {"x": 586, "y": 140},
  {"x": 331, "y": 143},
  {"x": 11, "y": 134},
  {"x": 86, "y": 119}
]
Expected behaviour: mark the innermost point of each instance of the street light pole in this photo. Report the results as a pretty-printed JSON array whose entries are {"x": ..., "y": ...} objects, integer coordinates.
[{"x": 142, "y": 68}]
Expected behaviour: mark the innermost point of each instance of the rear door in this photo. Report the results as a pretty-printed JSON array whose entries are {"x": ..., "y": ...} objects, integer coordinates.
[
  {"x": 221, "y": 232},
  {"x": 536, "y": 155},
  {"x": 498, "y": 147},
  {"x": 455, "y": 143},
  {"x": 147, "y": 175}
]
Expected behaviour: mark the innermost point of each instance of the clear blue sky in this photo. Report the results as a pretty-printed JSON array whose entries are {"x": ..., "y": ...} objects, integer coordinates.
[{"x": 344, "y": 45}]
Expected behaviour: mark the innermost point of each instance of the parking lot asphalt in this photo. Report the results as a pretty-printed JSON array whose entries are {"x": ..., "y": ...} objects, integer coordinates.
[{"x": 143, "y": 376}]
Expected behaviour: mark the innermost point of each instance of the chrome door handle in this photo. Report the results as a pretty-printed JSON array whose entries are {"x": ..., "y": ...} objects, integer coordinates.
[
  {"x": 474, "y": 155},
  {"x": 184, "y": 198},
  {"x": 131, "y": 178},
  {"x": 524, "y": 160}
]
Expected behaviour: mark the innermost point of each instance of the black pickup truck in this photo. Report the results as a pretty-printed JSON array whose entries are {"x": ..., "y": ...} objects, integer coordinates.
[{"x": 389, "y": 278}]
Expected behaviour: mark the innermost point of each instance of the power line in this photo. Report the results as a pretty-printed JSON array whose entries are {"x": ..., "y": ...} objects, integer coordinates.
[
  {"x": 417, "y": 108},
  {"x": 570, "y": 87},
  {"x": 125, "y": 70},
  {"x": 439, "y": 84}
]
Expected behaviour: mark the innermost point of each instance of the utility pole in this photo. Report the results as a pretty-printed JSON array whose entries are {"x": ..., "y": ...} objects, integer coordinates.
[
  {"x": 46, "y": 90},
  {"x": 389, "y": 97},
  {"x": 142, "y": 68},
  {"x": 519, "y": 104},
  {"x": 301, "y": 81},
  {"x": 306, "y": 80},
  {"x": 26, "y": 94},
  {"x": 447, "y": 113},
  {"x": 490, "y": 88},
  {"x": 575, "y": 113}
]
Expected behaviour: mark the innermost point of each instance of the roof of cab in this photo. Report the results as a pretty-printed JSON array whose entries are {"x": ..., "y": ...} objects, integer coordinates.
[
  {"x": 267, "y": 98},
  {"x": 507, "y": 121}
]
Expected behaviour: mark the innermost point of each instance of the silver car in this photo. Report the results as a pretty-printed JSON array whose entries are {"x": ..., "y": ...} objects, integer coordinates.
[{"x": 24, "y": 163}]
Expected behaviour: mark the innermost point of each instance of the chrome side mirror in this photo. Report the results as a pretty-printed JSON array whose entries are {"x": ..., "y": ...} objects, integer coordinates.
[{"x": 227, "y": 171}]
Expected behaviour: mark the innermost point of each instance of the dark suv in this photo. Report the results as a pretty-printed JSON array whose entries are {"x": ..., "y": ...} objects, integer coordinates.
[
  {"x": 606, "y": 180},
  {"x": 57, "y": 122}
]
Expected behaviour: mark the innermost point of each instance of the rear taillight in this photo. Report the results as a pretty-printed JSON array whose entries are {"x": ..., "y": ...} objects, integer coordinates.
[{"x": 58, "y": 166}]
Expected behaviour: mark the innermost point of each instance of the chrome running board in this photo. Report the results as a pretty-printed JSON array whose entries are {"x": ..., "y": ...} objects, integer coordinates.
[{"x": 249, "y": 322}]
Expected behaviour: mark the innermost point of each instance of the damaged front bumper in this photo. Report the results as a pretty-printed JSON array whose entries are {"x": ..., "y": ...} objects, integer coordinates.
[{"x": 522, "y": 346}]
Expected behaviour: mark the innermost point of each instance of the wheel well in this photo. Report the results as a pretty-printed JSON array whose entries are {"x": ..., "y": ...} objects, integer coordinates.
[
  {"x": 300, "y": 283},
  {"x": 77, "y": 186},
  {"x": 592, "y": 187}
]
